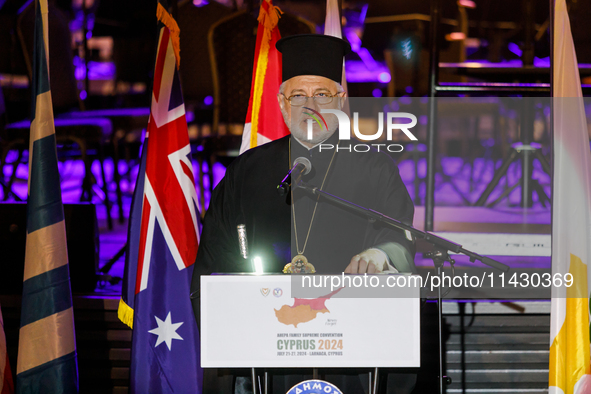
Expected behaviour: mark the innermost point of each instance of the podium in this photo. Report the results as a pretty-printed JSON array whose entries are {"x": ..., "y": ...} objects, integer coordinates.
[{"x": 252, "y": 321}]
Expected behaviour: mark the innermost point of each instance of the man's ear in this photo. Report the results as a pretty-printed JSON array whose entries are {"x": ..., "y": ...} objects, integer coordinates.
[
  {"x": 343, "y": 99},
  {"x": 280, "y": 101}
]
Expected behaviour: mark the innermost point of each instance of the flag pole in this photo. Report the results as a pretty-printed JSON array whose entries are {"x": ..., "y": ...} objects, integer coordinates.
[{"x": 552, "y": 30}]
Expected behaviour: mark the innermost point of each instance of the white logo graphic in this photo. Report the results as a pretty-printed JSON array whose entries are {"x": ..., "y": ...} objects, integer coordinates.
[{"x": 345, "y": 125}]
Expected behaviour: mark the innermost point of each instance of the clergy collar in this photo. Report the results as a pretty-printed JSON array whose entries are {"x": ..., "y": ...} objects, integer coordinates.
[{"x": 298, "y": 149}]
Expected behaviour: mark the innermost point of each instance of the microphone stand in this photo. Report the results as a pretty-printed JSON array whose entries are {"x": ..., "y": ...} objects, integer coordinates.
[{"x": 439, "y": 254}]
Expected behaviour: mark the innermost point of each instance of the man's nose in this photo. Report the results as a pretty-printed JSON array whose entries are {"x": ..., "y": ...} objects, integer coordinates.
[{"x": 314, "y": 103}]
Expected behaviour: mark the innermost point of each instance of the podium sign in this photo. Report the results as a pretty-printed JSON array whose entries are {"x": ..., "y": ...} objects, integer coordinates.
[{"x": 251, "y": 321}]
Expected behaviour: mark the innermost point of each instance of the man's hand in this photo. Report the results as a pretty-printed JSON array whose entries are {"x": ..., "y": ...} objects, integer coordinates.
[{"x": 371, "y": 261}]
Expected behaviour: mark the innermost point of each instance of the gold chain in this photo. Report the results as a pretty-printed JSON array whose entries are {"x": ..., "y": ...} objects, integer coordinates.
[{"x": 315, "y": 206}]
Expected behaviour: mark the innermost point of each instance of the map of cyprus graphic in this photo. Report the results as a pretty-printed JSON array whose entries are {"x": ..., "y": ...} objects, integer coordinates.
[{"x": 303, "y": 310}]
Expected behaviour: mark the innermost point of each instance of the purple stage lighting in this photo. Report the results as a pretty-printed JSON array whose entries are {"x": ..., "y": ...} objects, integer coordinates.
[
  {"x": 513, "y": 47},
  {"x": 190, "y": 116},
  {"x": 384, "y": 77}
]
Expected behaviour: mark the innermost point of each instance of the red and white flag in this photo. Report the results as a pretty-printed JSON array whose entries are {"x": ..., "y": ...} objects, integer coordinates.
[
  {"x": 264, "y": 122},
  {"x": 6, "y": 383}
]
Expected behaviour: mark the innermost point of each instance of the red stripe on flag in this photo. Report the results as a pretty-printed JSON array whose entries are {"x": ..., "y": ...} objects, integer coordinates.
[
  {"x": 143, "y": 239},
  {"x": 271, "y": 123},
  {"x": 270, "y": 120},
  {"x": 187, "y": 171},
  {"x": 159, "y": 68},
  {"x": 8, "y": 386}
]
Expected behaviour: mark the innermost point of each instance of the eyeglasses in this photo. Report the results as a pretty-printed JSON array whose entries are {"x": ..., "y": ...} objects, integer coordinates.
[{"x": 298, "y": 100}]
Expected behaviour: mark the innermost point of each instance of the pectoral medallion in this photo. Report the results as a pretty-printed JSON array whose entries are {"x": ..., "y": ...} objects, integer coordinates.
[{"x": 299, "y": 265}]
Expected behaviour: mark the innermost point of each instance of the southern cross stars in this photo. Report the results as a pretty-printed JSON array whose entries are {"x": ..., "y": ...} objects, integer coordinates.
[{"x": 166, "y": 331}]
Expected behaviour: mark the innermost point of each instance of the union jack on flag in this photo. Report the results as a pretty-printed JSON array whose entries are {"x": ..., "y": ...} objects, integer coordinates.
[
  {"x": 163, "y": 237},
  {"x": 169, "y": 189}
]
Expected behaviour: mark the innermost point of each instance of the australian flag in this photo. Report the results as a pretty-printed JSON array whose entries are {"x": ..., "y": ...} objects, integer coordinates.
[{"x": 163, "y": 238}]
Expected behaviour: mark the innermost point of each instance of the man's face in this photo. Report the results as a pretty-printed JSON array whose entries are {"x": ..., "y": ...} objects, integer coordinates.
[{"x": 296, "y": 117}]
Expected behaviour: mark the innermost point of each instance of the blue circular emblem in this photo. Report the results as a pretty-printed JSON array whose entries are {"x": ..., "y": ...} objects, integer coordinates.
[{"x": 314, "y": 387}]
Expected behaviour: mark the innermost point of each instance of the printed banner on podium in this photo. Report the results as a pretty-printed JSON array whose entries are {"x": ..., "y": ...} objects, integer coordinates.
[{"x": 252, "y": 321}]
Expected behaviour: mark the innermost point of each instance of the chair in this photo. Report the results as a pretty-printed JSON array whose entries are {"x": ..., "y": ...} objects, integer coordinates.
[
  {"x": 123, "y": 120},
  {"x": 195, "y": 67},
  {"x": 90, "y": 135},
  {"x": 232, "y": 42},
  {"x": 87, "y": 134}
]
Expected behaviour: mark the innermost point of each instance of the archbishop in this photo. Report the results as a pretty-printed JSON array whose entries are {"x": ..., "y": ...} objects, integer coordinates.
[{"x": 293, "y": 231}]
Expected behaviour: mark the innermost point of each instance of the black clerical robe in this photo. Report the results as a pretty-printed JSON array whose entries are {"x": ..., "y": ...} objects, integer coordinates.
[{"x": 248, "y": 195}]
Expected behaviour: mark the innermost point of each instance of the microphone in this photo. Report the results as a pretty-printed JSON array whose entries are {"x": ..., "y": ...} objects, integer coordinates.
[{"x": 301, "y": 167}]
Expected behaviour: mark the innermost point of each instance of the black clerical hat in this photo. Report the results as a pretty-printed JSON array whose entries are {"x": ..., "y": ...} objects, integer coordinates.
[{"x": 313, "y": 54}]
